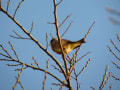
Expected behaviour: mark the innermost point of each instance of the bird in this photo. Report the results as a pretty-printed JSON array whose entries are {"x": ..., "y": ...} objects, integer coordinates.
[{"x": 67, "y": 45}]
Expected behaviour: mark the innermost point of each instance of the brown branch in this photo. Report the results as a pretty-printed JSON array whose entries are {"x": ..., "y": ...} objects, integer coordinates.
[
  {"x": 103, "y": 82},
  {"x": 65, "y": 20},
  {"x": 12, "y": 48},
  {"x": 89, "y": 29},
  {"x": 46, "y": 41},
  {"x": 40, "y": 46},
  {"x": 31, "y": 28},
  {"x": 66, "y": 29},
  {"x": 116, "y": 65},
  {"x": 115, "y": 77},
  {"x": 17, "y": 8},
  {"x": 83, "y": 56},
  {"x": 59, "y": 2},
  {"x": 114, "y": 45},
  {"x": 19, "y": 36},
  {"x": 59, "y": 40},
  {"x": 8, "y": 5},
  {"x": 113, "y": 52},
  {"x": 92, "y": 88},
  {"x": 114, "y": 20},
  {"x": 47, "y": 66},
  {"x": 118, "y": 37},
  {"x": 112, "y": 11},
  {"x": 84, "y": 67},
  {"x": 18, "y": 80}
]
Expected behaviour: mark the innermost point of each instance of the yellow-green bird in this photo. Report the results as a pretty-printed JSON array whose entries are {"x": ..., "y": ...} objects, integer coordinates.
[{"x": 67, "y": 45}]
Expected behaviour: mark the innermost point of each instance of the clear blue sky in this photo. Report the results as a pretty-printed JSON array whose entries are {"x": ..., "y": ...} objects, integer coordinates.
[{"x": 84, "y": 12}]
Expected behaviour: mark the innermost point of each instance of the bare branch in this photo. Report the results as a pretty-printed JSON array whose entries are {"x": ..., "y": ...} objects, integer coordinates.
[
  {"x": 83, "y": 56},
  {"x": 113, "y": 52},
  {"x": 65, "y": 20},
  {"x": 18, "y": 79},
  {"x": 46, "y": 41},
  {"x": 112, "y": 11},
  {"x": 59, "y": 2},
  {"x": 114, "y": 21},
  {"x": 115, "y": 77},
  {"x": 103, "y": 82},
  {"x": 66, "y": 29},
  {"x": 118, "y": 37},
  {"x": 35, "y": 62},
  {"x": 18, "y": 36},
  {"x": 116, "y": 65},
  {"x": 92, "y": 88},
  {"x": 59, "y": 38},
  {"x": 32, "y": 38},
  {"x": 8, "y": 5},
  {"x": 12, "y": 48},
  {"x": 45, "y": 75},
  {"x": 114, "y": 45},
  {"x": 84, "y": 67},
  {"x": 31, "y": 28},
  {"x": 89, "y": 29},
  {"x": 56, "y": 68},
  {"x": 17, "y": 8}
]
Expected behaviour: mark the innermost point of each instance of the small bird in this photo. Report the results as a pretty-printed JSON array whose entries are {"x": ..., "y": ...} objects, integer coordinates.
[{"x": 67, "y": 45}]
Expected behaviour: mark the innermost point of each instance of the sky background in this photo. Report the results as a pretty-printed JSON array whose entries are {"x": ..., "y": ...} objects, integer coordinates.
[{"x": 84, "y": 13}]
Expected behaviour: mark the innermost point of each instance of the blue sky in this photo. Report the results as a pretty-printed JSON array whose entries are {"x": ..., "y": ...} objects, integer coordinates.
[{"x": 84, "y": 13}]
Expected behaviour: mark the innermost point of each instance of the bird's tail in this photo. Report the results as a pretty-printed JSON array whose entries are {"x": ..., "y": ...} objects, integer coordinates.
[
  {"x": 78, "y": 43},
  {"x": 81, "y": 40}
]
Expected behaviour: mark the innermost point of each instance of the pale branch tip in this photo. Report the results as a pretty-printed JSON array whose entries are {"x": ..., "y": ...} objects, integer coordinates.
[
  {"x": 31, "y": 28},
  {"x": 8, "y": 5},
  {"x": 65, "y": 20},
  {"x": 59, "y": 2},
  {"x": 67, "y": 29},
  {"x": 17, "y": 8}
]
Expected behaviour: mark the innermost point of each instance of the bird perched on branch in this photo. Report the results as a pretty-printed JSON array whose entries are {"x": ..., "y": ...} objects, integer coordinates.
[{"x": 67, "y": 45}]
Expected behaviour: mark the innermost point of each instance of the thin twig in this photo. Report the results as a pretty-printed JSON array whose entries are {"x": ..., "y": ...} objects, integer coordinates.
[
  {"x": 115, "y": 77},
  {"x": 18, "y": 80},
  {"x": 65, "y": 20},
  {"x": 17, "y": 8},
  {"x": 59, "y": 2},
  {"x": 46, "y": 41},
  {"x": 103, "y": 80},
  {"x": 8, "y": 5},
  {"x": 66, "y": 29},
  {"x": 112, "y": 11},
  {"x": 114, "y": 45},
  {"x": 116, "y": 65},
  {"x": 83, "y": 56},
  {"x": 19, "y": 36},
  {"x": 89, "y": 29},
  {"x": 12, "y": 48},
  {"x": 56, "y": 68},
  {"x": 84, "y": 67},
  {"x": 47, "y": 66},
  {"x": 31, "y": 28},
  {"x": 59, "y": 38},
  {"x": 113, "y": 53},
  {"x": 118, "y": 37}
]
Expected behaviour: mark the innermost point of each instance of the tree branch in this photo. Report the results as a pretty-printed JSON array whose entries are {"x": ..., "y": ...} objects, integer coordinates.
[
  {"x": 39, "y": 45},
  {"x": 59, "y": 40}
]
